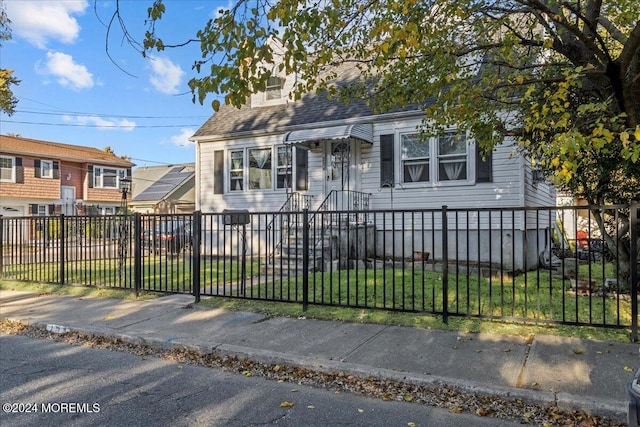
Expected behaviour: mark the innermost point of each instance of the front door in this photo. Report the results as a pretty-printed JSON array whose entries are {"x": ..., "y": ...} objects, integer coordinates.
[
  {"x": 68, "y": 194},
  {"x": 338, "y": 160},
  {"x": 340, "y": 169}
]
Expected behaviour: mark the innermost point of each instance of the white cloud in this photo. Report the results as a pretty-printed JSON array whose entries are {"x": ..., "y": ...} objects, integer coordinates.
[
  {"x": 166, "y": 76},
  {"x": 39, "y": 21},
  {"x": 216, "y": 11},
  {"x": 102, "y": 123},
  {"x": 183, "y": 138},
  {"x": 68, "y": 73}
]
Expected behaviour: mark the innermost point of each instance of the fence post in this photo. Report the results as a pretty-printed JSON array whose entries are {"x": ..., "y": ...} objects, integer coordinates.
[
  {"x": 633, "y": 234},
  {"x": 61, "y": 237},
  {"x": 305, "y": 259},
  {"x": 445, "y": 265},
  {"x": 195, "y": 254},
  {"x": 137, "y": 253}
]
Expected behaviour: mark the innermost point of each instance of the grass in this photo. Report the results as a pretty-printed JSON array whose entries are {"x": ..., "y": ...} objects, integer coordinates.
[
  {"x": 78, "y": 291},
  {"x": 378, "y": 293}
]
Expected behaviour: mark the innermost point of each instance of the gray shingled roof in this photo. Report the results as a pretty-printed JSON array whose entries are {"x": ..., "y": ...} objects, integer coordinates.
[{"x": 312, "y": 108}]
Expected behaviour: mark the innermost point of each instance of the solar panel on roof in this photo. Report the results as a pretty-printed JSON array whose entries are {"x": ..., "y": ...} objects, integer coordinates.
[{"x": 166, "y": 184}]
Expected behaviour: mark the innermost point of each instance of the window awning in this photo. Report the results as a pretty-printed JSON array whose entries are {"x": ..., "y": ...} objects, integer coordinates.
[{"x": 359, "y": 132}]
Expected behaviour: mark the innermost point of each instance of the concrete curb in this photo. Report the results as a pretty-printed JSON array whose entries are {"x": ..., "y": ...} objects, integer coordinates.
[{"x": 565, "y": 401}]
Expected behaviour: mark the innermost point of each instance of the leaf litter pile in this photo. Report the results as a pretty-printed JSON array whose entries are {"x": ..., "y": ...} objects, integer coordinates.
[{"x": 444, "y": 396}]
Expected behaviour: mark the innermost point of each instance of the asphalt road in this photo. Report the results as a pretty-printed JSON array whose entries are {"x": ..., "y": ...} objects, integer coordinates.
[{"x": 80, "y": 386}]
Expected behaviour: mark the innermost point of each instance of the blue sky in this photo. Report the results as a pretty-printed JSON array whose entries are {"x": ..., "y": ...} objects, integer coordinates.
[{"x": 72, "y": 92}]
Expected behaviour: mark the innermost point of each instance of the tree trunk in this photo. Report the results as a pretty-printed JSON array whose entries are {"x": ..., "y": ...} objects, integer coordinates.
[{"x": 617, "y": 242}]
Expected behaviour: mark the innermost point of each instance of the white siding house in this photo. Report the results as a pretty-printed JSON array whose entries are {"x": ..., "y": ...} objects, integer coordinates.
[{"x": 256, "y": 156}]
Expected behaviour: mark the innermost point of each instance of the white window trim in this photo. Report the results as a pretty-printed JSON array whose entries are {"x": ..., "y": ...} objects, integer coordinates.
[
  {"x": 42, "y": 169},
  {"x": 13, "y": 169},
  {"x": 452, "y": 158},
  {"x": 285, "y": 168},
  {"x": 434, "y": 163},
  {"x": 98, "y": 178},
  {"x": 245, "y": 171},
  {"x": 230, "y": 181}
]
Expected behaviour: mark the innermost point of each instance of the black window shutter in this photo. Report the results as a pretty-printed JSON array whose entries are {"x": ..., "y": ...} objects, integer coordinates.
[
  {"x": 218, "y": 172},
  {"x": 56, "y": 170},
  {"x": 19, "y": 171},
  {"x": 387, "y": 172},
  {"x": 484, "y": 165},
  {"x": 33, "y": 209},
  {"x": 52, "y": 209},
  {"x": 302, "y": 169},
  {"x": 90, "y": 175},
  {"x": 36, "y": 168}
]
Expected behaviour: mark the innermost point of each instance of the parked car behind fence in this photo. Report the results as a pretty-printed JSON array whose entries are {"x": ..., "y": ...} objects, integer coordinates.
[{"x": 170, "y": 236}]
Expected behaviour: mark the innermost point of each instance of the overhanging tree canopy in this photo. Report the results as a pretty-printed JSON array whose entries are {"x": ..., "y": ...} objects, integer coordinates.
[
  {"x": 8, "y": 102},
  {"x": 561, "y": 76}
]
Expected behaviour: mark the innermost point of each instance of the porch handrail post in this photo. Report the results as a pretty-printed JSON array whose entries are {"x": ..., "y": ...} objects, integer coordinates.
[
  {"x": 445, "y": 265},
  {"x": 305, "y": 259},
  {"x": 633, "y": 233},
  {"x": 195, "y": 254}
]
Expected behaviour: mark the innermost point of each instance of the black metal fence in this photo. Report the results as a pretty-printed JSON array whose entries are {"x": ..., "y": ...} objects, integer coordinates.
[{"x": 573, "y": 265}]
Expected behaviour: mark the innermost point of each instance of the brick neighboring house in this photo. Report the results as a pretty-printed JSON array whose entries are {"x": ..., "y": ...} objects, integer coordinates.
[{"x": 39, "y": 178}]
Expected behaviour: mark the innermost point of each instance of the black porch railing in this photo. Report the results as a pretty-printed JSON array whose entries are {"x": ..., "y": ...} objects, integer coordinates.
[{"x": 567, "y": 265}]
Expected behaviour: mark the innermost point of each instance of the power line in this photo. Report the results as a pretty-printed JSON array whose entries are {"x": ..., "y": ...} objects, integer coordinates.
[
  {"x": 48, "y": 113},
  {"x": 102, "y": 126}
]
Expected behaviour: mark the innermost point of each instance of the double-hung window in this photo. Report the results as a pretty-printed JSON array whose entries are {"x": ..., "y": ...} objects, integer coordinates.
[
  {"x": 452, "y": 157},
  {"x": 107, "y": 177},
  {"x": 237, "y": 171},
  {"x": 259, "y": 168},
  {"x": 274, "y": 88},
  {"x": 283, "y": 168},
  {"x": 415, "y": 157},
  {"x": 7, "y": 169},
  {"x": 46, "y": 169}
]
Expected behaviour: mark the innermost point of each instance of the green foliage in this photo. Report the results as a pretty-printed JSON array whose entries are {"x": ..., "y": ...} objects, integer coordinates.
[
  {"x": 7, "y": 101},
  {"x": 563, "y": 78}
]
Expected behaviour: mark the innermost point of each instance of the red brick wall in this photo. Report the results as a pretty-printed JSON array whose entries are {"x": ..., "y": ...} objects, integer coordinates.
[{"x": 76, "y": 172}]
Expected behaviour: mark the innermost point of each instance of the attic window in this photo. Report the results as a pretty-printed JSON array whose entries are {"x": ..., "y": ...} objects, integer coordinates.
[{"x": 274, "y": 88}]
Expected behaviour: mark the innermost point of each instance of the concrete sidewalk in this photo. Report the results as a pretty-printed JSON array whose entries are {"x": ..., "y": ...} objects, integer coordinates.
[{"x": 574, "y": 373}]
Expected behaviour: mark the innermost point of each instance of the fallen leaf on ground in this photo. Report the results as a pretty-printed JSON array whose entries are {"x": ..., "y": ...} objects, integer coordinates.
[{"x": 286, "y": 404}]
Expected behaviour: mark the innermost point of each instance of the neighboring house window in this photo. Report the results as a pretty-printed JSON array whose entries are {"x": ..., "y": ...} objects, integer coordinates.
[
  {"x": 237, "y": 171},
  {"x": 283, "y": 168},
  {"x": 41, "y": 210},
  {"x": 415, "y": 157},
  {"x": 274, "y": 88},
  {"x": 452, "y": 157},
  {"x": 107, "y": 177},
  {"x": 46, "y": 169},
  {"x": 259, "y": 168},
  {"x": 7, "y": 169}
]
